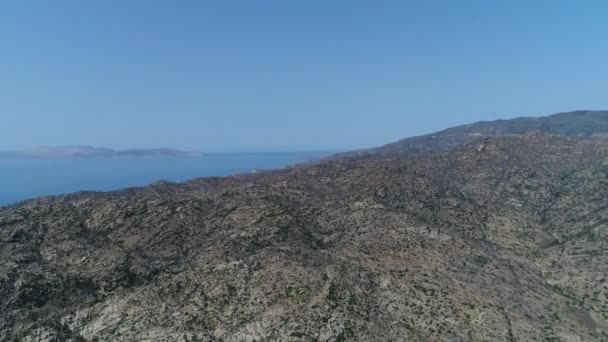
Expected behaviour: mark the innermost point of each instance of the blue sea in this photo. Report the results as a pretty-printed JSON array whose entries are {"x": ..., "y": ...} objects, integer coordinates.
[{"x": 22, "y": 179}]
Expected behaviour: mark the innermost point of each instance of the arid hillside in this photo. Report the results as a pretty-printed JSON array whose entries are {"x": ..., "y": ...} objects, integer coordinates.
[{"x": 501, "y": 239}]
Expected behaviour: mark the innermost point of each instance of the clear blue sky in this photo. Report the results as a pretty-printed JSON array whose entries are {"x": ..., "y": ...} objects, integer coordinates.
[{"x": 288, "y": 75}]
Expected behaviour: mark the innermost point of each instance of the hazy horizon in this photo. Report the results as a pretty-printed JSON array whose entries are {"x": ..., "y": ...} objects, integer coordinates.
[
  {"x": 135, "y": 148},
  {"x": 274, "y": 76},
  {"x": 264, "y": 151}
]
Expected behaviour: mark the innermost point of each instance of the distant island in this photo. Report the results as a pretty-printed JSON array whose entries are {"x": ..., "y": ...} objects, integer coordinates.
[{"x": 89, "y": 151}]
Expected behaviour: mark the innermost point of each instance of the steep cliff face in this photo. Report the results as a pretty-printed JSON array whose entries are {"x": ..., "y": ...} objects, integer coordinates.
[{"x": 503, "y": 239}]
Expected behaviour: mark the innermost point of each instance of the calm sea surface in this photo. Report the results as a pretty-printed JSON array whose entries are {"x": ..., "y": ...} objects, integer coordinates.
[{"x": 27, "y": 178}]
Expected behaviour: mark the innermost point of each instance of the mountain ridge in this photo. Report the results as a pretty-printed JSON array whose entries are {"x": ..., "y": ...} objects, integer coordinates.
[{"x": 580, "y": 123}]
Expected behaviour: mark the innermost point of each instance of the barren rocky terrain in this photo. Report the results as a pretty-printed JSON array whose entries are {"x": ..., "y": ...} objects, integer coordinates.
[{"x": 501, "y": 239}]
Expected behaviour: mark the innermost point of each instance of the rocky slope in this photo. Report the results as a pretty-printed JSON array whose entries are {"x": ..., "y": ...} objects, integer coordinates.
[
  {"x": 582, "y": 123},
  {"x": 502, "y": 239}
]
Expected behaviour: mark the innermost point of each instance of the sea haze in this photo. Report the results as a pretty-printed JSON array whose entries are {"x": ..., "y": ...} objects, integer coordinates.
[{"x": 21, "y": 179}]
